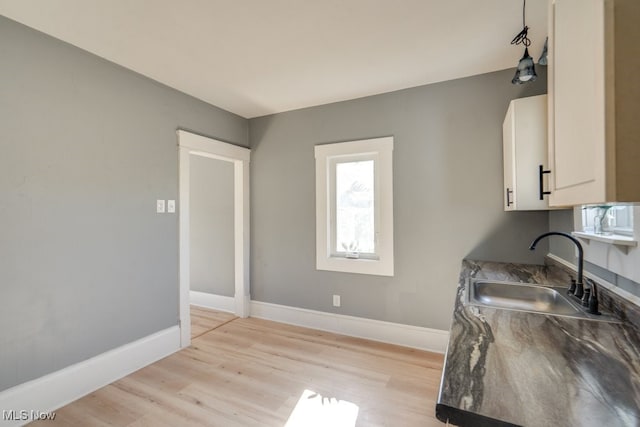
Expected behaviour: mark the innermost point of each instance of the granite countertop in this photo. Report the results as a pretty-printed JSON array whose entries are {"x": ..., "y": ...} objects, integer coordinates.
[{"x": 507, "y": 367}]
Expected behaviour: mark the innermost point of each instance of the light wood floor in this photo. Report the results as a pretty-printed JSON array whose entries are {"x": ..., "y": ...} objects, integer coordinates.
[
  {"x": 252, "y": 372},
  {"x": 204, "y": 320}
]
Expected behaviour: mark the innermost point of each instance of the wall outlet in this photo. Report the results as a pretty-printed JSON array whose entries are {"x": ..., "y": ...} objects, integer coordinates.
[
  {"x": 336, "y": 300},
  {"x": 159, "y": 206},
  {"x": 171, "y": 206}
]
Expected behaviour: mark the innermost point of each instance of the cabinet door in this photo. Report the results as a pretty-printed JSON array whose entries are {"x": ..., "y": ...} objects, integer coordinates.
[
  {"x": 508, "y": 157},
  {"x": 577, "y": 141},
  {"x": 531, "y": 146},
  {"x": 524, "y": 145}
]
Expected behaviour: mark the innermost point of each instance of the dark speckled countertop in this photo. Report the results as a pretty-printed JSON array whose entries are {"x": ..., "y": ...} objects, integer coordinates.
[{"x": 516, "y": 368}]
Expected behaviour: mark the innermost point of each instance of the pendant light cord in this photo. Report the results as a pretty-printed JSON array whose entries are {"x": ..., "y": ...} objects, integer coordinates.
[{"x": 522, "y": 38}]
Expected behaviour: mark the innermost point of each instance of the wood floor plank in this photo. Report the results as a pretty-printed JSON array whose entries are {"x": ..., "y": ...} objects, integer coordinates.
[
  {"x": 203, "y": 320},
  {"x": 253, "y": 372}
]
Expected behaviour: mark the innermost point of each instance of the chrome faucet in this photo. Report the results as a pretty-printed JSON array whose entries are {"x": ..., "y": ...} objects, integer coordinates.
[{"x": 577, "y": 286}]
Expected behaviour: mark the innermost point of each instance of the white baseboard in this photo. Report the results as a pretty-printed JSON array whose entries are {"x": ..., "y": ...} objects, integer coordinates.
[
  {"x": 52, "y": 391},
  {"x": 434, "y": 340},
  {"x": 214, "y": 302}
]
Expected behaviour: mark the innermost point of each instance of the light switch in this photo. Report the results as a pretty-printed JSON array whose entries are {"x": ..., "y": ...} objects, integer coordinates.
[
  {"x": 171, "y": 206},
  {"x": 160, "y": 206}
]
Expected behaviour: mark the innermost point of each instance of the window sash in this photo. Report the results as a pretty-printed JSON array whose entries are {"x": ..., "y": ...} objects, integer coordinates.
[{"x": 333, "y": 161}]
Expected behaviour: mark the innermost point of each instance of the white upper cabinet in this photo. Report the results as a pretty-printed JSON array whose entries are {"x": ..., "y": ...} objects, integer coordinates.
[
  {"x": 594, "y": 101},
  {"x": 524, "y": 137}
]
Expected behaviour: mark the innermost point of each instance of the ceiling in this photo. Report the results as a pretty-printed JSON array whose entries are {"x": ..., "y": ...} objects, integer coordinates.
[{"x": 258, "y": 57}]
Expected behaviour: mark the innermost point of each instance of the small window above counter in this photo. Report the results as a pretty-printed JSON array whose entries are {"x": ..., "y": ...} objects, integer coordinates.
[{"x": 611, "y": 224}]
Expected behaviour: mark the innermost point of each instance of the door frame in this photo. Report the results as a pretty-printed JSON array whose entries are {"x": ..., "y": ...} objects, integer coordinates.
[{"x": 192, "y": 144}]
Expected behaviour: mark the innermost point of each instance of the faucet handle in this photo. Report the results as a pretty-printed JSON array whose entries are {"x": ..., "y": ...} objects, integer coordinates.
[
  {"x": 579, "y": 292},
  {"x": 572, "y": 288},
  {"x": 593, "y": 300},
  {"x": 585, "y": 297}
]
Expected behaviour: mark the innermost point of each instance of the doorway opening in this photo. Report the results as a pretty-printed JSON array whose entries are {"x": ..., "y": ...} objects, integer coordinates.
[{"x": 197, "y": 154}]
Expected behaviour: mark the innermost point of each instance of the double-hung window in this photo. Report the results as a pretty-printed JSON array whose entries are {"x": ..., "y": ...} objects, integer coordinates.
[{"x": 354, "y": 206}]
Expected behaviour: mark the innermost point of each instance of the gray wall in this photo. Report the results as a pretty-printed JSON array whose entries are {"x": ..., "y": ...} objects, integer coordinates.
[
  {"x": 562, "y": 220},
  {"x": 86, "y": 264},
  {"x": 447, "y": 198},
  {"x": 211, "y": 226}
]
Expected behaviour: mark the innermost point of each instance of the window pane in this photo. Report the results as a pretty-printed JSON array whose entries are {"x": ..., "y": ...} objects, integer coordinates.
[
  {"x": 355, "y": 226},
  {"x": 607, "y": 219},
  {"x": 623, "y": 216}
]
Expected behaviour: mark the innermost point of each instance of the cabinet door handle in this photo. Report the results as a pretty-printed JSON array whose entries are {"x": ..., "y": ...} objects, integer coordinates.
[
  {"x": 541, "y": 173},
  {"x": 509, "y": 192}
]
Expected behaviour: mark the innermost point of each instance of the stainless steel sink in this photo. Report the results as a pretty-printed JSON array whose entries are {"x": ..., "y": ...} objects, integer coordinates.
[{"x": 527, "y": 297}]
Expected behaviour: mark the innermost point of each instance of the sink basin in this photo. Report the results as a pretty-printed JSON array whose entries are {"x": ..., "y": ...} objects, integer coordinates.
[
  {"x": 526, "y": 297},
  {"x": 521, "y": 297}
]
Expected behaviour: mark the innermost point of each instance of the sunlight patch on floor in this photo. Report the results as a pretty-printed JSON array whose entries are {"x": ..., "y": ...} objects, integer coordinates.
[{"x": 313, "y": 410}]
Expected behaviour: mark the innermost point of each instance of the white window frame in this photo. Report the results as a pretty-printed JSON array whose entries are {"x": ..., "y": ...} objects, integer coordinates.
[
  {"x": 380, "y": 150},
  {"x": 584, "y": 224}
]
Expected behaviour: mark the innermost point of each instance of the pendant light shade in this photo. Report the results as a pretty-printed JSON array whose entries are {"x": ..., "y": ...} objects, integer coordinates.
[
  {"x": 543, "y": 56},
  {"x": 526, "y": 71}
]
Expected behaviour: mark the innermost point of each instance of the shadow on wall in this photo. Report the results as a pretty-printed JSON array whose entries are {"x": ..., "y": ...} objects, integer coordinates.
[
  {"x": 510, "y": 229},
  {"x": 562, "y": 220}
]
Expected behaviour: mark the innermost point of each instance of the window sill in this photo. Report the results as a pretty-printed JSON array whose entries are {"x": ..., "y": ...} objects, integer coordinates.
[
  {"x": 356, "y": 265},
  {"x": 624, "y": 242}
]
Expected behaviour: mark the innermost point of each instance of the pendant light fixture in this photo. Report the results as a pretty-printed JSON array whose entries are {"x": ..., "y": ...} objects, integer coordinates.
[
  {"x": 526, "y": 71},
  {"x": 543, "y": 56}
]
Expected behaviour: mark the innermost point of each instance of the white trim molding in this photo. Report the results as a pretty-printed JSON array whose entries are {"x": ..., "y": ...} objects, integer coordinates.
[
  {"x": 380, "y": 151},
  {"x": 52, "y": 391},
  {"x": 212, "y": 301},
  {"x": 210, "y": 147},
  {"x": 433, "y": 340},
  {"x": 197, "y": 145}
]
